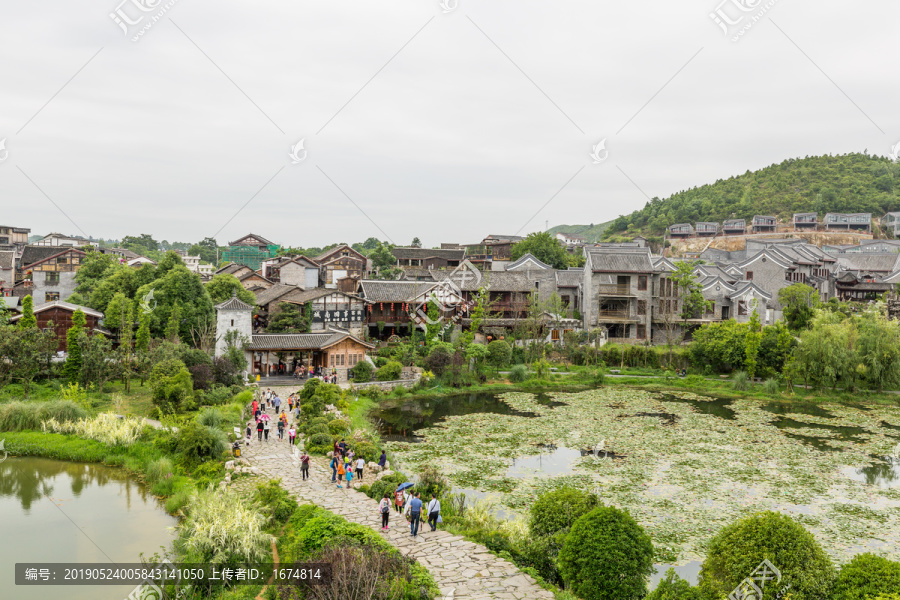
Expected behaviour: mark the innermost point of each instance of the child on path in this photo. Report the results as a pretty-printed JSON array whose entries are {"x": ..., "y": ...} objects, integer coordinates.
[
  {"x": 349, "y": 477},
  {"x": 340, "y": 472},
  {"x": 384, "y": 507}
]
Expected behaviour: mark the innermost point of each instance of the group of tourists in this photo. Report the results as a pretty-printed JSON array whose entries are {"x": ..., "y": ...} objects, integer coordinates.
[
  {"x": 302, "y": 372},
  {"x": 345, "y": 464},
  {"x": 411, "y": 506}
]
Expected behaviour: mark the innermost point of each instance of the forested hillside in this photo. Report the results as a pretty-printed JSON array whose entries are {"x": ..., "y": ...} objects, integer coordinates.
[
  {"x": 592, "y": 233},
  {"x": 845, "y": 183}
]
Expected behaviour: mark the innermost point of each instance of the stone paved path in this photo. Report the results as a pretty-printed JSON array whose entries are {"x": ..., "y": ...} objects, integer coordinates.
[{"x": 462, "y": 569}]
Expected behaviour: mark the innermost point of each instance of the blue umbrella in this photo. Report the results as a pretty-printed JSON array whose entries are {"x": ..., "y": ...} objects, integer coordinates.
[{"x": 404, "y": 486}]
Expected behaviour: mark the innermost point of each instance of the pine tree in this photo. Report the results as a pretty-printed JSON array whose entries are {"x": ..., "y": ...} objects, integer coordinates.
[
  {"x": 142, "y": 340},
  {"x": 28, "y": 319},
  {"x": 125, "y": 345},
  {"x": 74, "y": 359}
]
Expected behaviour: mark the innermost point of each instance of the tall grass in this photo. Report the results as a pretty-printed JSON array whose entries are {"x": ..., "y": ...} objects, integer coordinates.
[
  {"x": 740, "y": 382},
  {"x": 21, "y": 416},
  {"x": 211, "y": 417},
  {"x": 771, "y": 386},
  {"x": 159, "y": 468},
  {"x": 105, "y": 427},
  {"x": 223, "y": 529}
]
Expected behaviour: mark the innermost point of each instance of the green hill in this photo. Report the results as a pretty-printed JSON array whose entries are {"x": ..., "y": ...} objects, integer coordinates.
[
  {"x": 845, "y": 183},
  {"x": 592, "y": 233},
  {"x": 822, "y": 184}
]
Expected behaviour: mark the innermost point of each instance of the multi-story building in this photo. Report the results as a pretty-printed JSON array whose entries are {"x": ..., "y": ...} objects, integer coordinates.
[
  {"x": 48, "y": 272},
  {"x": 891, "y": 222},
  {"x": 734, "y": 227},
  {"x": 428, "y": 258},
  {"x": 59, "y": 239},
  {"x": 764, "y": 224},
  {"x": 806, "y": 221},
  {"x": 619, "y": 292},
  {"x": 340, "y": 263},
  {"x": 681, "y": 230},
  {"x": 13, "y": 238},
  {"x": 848, "y": 222}
]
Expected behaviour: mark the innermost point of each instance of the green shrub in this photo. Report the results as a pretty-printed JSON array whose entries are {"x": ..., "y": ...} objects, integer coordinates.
[
  {"x": 215, "y": 396},
  {"x": 20, "y": 416},
  {"x": 180, "y": 498},
  {"x": 518, "y": 374},
  {"x": 737, "y": 550},
  {"x": 740, "y": 382},
  {"x": 556, "y": 511},
  {"x": 198, "y": 443},
  {"x": 386, "y": 485},
  {"x": 389, "y": 372},
  {"x": 367, "y": 450},
  {"x": 164, "y": 486},
  {"x": 338, "y": 426},
  {"x": 171, "y": 384},
  {"x": 540, "y": 554},
  {"x": 319, "y": 429},
  {"x": 208, "y": 473},
  {"x": 321, "y": 439},
  {"x": 499, "y": 353},
  {"x": 672, "y": 587},
  {"x": 275, "y": 500},
  {"x": 211, "y": 417},
  {"x": 312, "y": 408},
  {"x": 362, "y": 372},
  {"x": 431, "y": 481},
  {"x": 590, "y": 567},
  {"x": 866, "y": 576}
]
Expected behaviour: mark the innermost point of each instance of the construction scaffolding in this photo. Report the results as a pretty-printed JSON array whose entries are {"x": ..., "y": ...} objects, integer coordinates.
[{"x": 250, "y": 256}]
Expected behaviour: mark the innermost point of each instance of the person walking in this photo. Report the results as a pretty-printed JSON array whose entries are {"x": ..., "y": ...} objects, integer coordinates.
[
  {"x": 414, "y": 510},
  {"x": 433, "y": 511},
  {"x": 360, "y": 463},
  {"x": 266, "y": 431},
  {"x": 249, "y": 430},
  {"x": 349, "y": 474},
  {"x": 383, "y": 460},
  {"x": 292, "y": 435},
  {"x": 255, "y": 408},
  {"x": 277, "y": 404},
  {"x": 340, "y": 472},
  {"x": 259, "y": 430},
  {"x": 334, "y": 463},
  {"x": 304, "y": 465},
  {"x": 399, "y": 500},
  {"x": 280, "y": 429},
  {"x": 384, "y": 507}
]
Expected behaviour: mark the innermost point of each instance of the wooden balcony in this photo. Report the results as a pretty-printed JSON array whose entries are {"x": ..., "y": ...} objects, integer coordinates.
[{"x": 620, "y": 289}]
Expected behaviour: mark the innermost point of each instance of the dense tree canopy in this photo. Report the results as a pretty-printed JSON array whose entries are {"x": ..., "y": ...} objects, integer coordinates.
[
  {"x": 543, "y": 247},
  {"x": 222, "y": 286},
  {"x": 843, "y": 183},
  {"x": 181, "y": 286}
]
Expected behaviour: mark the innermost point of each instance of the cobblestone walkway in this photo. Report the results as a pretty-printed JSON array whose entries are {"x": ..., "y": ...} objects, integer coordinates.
[{"x": 462, "y": 569}]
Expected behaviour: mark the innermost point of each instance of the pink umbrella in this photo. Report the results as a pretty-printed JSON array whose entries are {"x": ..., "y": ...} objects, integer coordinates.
[{"x": 264, "y": 417}]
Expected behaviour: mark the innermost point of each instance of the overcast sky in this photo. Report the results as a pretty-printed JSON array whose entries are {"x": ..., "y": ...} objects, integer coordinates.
[{"x": 443, "y": 123}]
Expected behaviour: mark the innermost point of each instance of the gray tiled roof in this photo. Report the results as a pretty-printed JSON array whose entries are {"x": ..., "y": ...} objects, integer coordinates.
[
  {"x": 869, "y": 262},
  {"x": 7, "y": 259},
  {"x": 278, "y": 290},
  {"x": 233, "y": 303},
  {"x": 300, "y": 341},
  {"x": 496, "y": 281},
  {"x": 569, "y": 278},
  {"x": 67, "y": 306},
  {"x": 33, "y": 254},
  {"x": 620, "y": 262},
  {"x": 413, "y": 273},
  {"x": 525, "y": 259},
  {"x": 403, "y": 253},
  {"x": 393, "y": 291}
]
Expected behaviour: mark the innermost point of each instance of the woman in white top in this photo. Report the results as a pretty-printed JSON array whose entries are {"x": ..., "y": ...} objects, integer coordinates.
[
  {"x": 433, "y": 510},
  {"x": 384, "y": 507},
  {"x": 359, "y": 467}
]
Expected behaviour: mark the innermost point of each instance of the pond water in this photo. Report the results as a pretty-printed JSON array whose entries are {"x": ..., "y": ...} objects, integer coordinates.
[
  {"x": 397, "y": 420},
  {"x": 57, "y": 511}
]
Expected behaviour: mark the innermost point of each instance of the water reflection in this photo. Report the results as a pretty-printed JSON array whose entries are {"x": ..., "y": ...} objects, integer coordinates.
[
  {"x": 56, "y": 511},
  {"x": 397, "y": 420},
  {"x": 797, "y": 408},
  {"x": 884, "y": 474},
  {"x": 718, "y": 407}
]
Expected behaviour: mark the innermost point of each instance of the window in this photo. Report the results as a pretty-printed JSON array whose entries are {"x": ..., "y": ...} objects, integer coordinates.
[
  {"x": 642, "y": 332},
  {"x": 232, "y": 322},
  {"x": 537, "y": 285},
  {"x": 62, "y": 260},
  {"x": 742, "y": 307},
  {"x": 642, "y": 283},
  {"x": 554, "y": 335},
  {"x": 51, "y": 277},
  {"x": 642, "y": 307},
  {"x": 51, "y": 296},
  {"x": 749, "y": 276}
]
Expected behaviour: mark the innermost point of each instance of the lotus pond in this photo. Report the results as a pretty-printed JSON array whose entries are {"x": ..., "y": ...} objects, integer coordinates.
[{"x": 683, "y": 465}]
